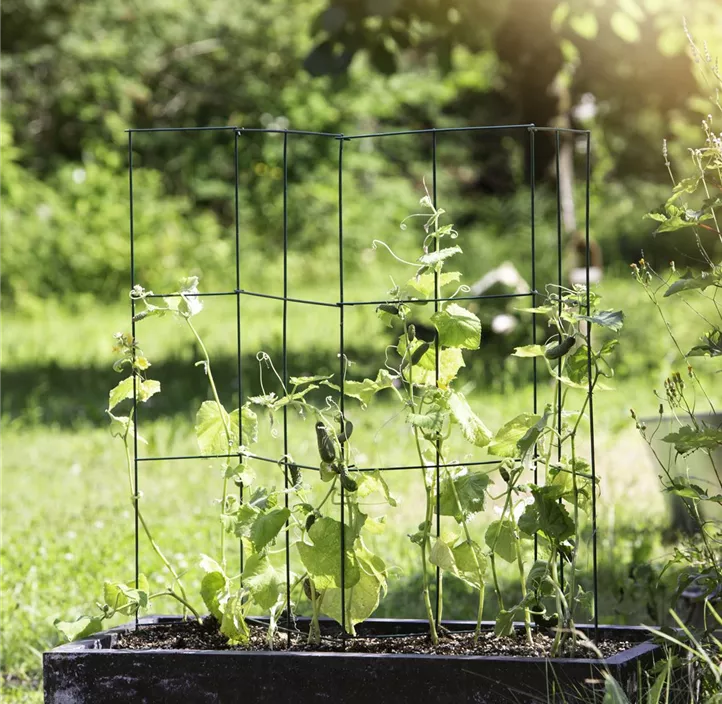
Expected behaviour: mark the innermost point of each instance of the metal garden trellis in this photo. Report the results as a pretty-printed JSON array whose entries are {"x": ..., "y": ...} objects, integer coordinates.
[{"x": 341, "y": 304}]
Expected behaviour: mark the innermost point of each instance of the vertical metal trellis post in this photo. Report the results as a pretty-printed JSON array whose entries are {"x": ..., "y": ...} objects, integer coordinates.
[
  {"x": 342, "y": 380},
  {"x": 592, "y": 460},
  {"x": 284, "y": 335},
  {"x": 535, "y": 381},
  {"x": 557, "y": 173},
  {"x": 437, "y": 354},
  {"x": 134, "y": 420},
  {"x": 239, "y": 348}
]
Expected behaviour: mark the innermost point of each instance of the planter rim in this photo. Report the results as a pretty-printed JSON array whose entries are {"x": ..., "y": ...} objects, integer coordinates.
[{"x": 104, "y": 642}]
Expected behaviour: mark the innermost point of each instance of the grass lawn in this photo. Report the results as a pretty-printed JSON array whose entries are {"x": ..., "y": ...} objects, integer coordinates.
[{"x": 67, "y": 519}]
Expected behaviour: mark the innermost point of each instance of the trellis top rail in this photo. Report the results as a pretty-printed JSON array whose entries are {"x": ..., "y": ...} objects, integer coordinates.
[{"x": 366, "y": 135}]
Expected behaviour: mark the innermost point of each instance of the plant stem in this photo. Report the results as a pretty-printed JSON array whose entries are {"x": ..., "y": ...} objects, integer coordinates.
[
  {"x": 429, "y": 513},
  {"x": 226, "y": 430},
  {"x": 480, "y": 610},
  {"x": 156, "y": 548},
  {"x": 520, "y": 565},
  {"x": 182, "y": 600}
]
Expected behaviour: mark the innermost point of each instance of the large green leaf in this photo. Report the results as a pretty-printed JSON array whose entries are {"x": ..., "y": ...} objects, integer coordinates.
[
  {"x": 422, "y": 286},
  {"x": 267, "y": 525},
  {"x": 470, "y": 570},
  {"x": 430, "y": 422},
  {"x": 435, "y": 260},
  {"x": 144, "y": 388},
  {"x": 322, "y": 557},
  {"x": 529, "y": 351},
  {"x": 82, "y": 627},
  {"x": 442, "y": 555},
  {"x": 688, "y": 439},
  {"x": 504, "y": 625},
  {"x": 470, "y": 490},
  {"x": 264, "y": 582},
  {"x": 365, "y": 390},
  {"x": 424, "y": 373},
  {"x": 363, "y": 599},
  {"x": 612, "y": 319},
  {"x": 214, "y": 587},
  {"x": 457, "y": 327},
  {"x": 212, "y": 422},
  {"x": 691, "y": 281},
  {"x": 127, "y": 600},
  {"x": 500, "y": 538},
  {"x": 548, "y": 516},
  {"x": 506, "y": 441},
  {"x": 538, "y": 579},
  {"x": 248, "y": 424},
  {"x": 233, "y": 621},
  {"x": 370, "y": 482},
  {"x": 472, "y": 427}
]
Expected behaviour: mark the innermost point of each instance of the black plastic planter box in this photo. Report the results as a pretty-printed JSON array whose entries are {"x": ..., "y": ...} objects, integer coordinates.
[{"x": 91, "y": 670}]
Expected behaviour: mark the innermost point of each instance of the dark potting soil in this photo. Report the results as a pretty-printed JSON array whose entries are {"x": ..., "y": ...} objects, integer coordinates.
[{"x": 192, "y": 635}]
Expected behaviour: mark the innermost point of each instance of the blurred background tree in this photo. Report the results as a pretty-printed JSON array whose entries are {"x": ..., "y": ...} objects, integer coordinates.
[{"x": 76, "y": 74}]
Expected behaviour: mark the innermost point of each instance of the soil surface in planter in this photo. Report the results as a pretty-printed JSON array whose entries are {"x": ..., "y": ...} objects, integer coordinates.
[{"x": 191, "y": 635}]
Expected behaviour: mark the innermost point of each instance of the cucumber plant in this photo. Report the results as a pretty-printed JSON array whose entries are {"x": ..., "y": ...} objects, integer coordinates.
[{"x": 341, "y": 577}]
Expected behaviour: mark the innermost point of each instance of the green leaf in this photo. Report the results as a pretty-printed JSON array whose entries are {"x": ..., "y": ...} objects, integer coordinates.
[
  {"x": 500, "y": 537},
  {"x": 389, "y": 313},
  {"x": 681, "y": 486},
  {"x": 424, "y": 373},
  {"x": 365, "y": 390},
  {"x": 249, "y": 425},
  {"x": 127, "y": 600},
  {"x": 540, "y": 310},
  {"x": 370, "y": 482},
  {"x": 363, "y": 599},
  {"x": 120, "y": 392},
  {"x": 422, "y": 286},
  {"x": 435, "y": 260},
  {"x": 466, "y": 567},
  {"x": 264, "y": 582},
  {"x": 148, "y": 388},
  {"x": 612, "y": 319},
  {"x": 506, "y": 441},
  {"x": 711, "y": 346},
  {"x": 267, "y": 526},
  {"x": 690, "y": 282},
  {"x": 214, "y": 586},
  {"x": 548, "y": 516},
  {"x": 82, "y": 627},
  {"x": 299, "y": 380},
  {"x": 431, "y": 422},
  {"x": 470, "y": 489},
  {"x": 211, "y": 424},
  {"x": 538, "y": 581},
  {"x": 233, "y": 621},
  {"x": 673, "y": 217},
  {"x": 504, "y": 623},
  {"x": 442, "y": 556},
  {"x": 322, "y": 558},
  {"x": 472, "y": 427},
  {"x": 688, "y": 439},
  {"x": 457, "y": 327},
  {"x": 529, "y": 351}
]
